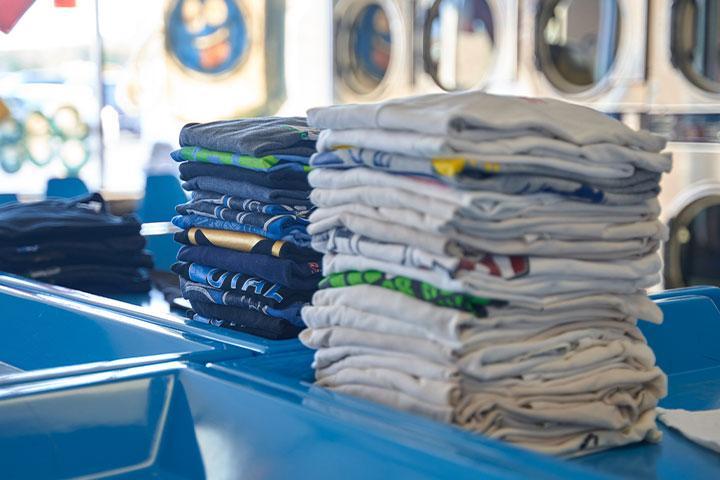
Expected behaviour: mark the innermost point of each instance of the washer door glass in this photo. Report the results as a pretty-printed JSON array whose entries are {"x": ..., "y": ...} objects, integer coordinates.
[
  {"x": 363, "y": 48},
  {"x": 696, "y": 42},
  {"x": 458, "y": 42},
  {"x": 576, "y": 41},
  {"x": 693, "y": 251}
]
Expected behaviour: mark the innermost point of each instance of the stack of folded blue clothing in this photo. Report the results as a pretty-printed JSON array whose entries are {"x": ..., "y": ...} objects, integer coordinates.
[
  {"x": 246, "y": 262},
  {"x": 75, "y": 243}
]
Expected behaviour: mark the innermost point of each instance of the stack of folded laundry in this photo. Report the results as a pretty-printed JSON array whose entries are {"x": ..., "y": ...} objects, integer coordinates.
[
  {"x": 246, "y": 262},
  {"x": 75, "y": 243},
  {"x": 486, "y": 260}
]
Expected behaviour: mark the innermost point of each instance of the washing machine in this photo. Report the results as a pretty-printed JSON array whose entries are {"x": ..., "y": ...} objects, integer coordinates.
[
  {"x": 465, "y": 44},
  {"x": 684, "y": 56},
  {"x": 590, "y": 52},
  {"x": 684, "y": 91},
  {"x": 692, "y": 252},
  {"x": 224, "y": 58},
  {"x": 372, "y": 49}
]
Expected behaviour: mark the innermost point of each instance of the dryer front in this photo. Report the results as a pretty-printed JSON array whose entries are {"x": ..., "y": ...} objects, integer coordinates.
[
  {"x": 372, "y": 49},
  {"x": 684, "y": 67},
  {"x": 590, "y": 52},
  {"x": 465, "y": 44}
]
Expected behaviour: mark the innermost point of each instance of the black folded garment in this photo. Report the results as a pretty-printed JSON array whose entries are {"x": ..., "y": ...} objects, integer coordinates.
[
  {"x": 168, "y": 284},
  {"x": 258, "y": 289},
  {"x": 247, "y": 321},
  {"x": 76, "y": 243},
  {"x": 125, "y": 244},
  {"x": 95, "y": 278},
  {"x": 294, "y": 275},
  {"x": 59, "y": 258},
  {"x": 289, "y": 179},
  {"x": 62, "y": 219},
  {"x": 253, "y": 243}
]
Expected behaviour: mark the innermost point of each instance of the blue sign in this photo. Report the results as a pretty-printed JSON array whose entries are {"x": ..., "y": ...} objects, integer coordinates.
[{"x": 206, "y": 36}]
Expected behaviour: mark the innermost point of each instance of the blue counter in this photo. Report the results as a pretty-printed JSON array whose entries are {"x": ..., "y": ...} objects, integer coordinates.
[{"x": 98, "y": 387}]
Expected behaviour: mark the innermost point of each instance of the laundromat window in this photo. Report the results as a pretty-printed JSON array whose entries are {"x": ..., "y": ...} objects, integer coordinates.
[
  {"x": 364, "y": 44},
  {"x": 49, "y": 99},
  {"x": 696, "y": 42},
  {"x": 576, "y": 42},
  {"x": 458, "y": 42}
]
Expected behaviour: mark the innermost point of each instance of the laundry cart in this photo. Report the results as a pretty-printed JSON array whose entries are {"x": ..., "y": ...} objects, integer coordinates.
[{"x": 91, "y": 387}]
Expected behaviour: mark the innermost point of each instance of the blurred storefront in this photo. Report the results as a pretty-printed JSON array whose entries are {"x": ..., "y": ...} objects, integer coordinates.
[{"x": 100, "y": 90}]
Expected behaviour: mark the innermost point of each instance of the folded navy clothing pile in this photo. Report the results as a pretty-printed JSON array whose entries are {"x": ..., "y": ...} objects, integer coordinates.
[
  {"x": 246, "y": 262},
  {"x": 75, "y": 243}
]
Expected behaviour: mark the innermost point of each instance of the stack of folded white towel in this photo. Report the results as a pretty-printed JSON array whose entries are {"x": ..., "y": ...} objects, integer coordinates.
[{"x": 486, "y": 260}]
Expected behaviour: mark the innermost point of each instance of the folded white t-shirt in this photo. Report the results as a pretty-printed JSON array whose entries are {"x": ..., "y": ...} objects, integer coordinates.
[
  {"x": 437, "y": 199},
  {"x": 603, "y": 160},
  {"x": 701, "y": 427},
  {"x": 481, "y": 116}
]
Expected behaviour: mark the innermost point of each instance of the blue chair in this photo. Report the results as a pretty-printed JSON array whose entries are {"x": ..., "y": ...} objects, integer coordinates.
[
  {"x": 8, "y": 198},
  {"x": 688, "y": 338},
  {"x": 162, "y": 194},
  {"x": 66, "y": 188}
]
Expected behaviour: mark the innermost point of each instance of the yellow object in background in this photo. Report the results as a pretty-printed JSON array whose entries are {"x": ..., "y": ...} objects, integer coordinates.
[
  {"x": 4, "y": 111},
  {"x": 451, "y": 166},
  {"x": 448, "y": 166}
]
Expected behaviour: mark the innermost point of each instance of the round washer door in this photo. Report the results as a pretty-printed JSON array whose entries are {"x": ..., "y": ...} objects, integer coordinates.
[
  {"x": 695, "y": 42},
  {"x": 692, "y": 253},
  {"x": 576, "y": 42},
  {"x": 458, "y": 44},
  {"x": 367, "y": 38}
]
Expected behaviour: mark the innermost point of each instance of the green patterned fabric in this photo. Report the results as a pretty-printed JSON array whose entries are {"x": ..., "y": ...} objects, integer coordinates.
[
  {"x": 413, "y": 288},
  {"x": 197, "y": 154}
]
